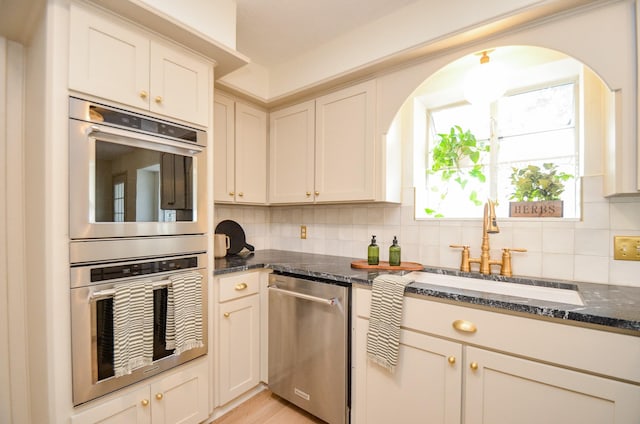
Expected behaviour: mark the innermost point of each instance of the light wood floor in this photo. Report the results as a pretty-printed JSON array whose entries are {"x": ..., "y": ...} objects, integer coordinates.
[{"x": 267, "y": 408}]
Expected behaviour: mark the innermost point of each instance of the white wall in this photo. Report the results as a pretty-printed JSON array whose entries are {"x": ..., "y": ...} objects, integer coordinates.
[{"x": 214, "y": 18}]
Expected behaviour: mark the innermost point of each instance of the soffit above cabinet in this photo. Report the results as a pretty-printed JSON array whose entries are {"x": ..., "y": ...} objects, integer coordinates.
[
  {"x": 227, "y": 60},
  {"x": 18, "y": 19}
]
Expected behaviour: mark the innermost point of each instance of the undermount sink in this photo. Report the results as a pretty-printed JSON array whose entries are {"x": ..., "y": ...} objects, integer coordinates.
[{"x": 551, "y": 294}]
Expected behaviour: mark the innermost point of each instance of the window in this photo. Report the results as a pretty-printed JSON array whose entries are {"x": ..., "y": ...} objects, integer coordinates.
[
  {"x": 118, "y": 197},
  {"x": 535, "y": 126}
]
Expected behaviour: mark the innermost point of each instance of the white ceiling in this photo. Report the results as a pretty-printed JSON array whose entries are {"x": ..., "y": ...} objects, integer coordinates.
[{"x": 274, "y": 31}]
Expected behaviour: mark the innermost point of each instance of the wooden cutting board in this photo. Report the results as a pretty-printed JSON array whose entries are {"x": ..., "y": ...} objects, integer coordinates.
[{"x": 384, "y": 265}]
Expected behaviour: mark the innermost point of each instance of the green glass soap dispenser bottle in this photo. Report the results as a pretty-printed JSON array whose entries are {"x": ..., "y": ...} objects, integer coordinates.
[
  {"x": 394, "y": 253},
  {"x": 373, "y": 252}
]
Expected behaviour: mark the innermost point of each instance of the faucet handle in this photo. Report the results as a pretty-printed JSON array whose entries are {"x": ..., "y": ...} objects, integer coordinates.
[
  {"x": 464, "y": 264},
  {"x": 505, "y": 269}
]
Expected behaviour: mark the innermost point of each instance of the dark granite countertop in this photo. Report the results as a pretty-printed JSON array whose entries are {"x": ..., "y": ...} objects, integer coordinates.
[{"x": 607, "y": 307}]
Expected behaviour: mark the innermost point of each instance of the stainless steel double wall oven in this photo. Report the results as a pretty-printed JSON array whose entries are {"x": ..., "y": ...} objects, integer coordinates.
[{"x": 137, "y": 211}]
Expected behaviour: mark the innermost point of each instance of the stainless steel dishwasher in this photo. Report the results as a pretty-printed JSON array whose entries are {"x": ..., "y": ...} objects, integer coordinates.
[{"x": 309, "y": 345}]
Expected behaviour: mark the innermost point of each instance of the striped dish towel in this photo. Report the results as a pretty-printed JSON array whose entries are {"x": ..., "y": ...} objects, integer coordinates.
[
  {"x": 383, "y": 338},
  {"x": 132, "y": 326},
  {"x": 184, "y": 312}
]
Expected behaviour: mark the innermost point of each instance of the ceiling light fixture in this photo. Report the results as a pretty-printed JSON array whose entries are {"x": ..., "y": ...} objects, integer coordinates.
[{"x": 484, "y": 83}]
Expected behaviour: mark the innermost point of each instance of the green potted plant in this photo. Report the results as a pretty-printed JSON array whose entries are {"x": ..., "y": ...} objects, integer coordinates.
[
  {"x": 457, "y": 157},
  {"x": 537, "y": 191}
]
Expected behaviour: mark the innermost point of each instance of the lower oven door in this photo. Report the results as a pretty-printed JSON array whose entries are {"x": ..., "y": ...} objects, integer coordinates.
[{"x": 92, "y": 338}]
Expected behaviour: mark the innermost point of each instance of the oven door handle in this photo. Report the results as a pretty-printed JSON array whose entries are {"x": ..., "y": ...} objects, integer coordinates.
[
  {"x": 140, "y": 140},
  {"x": 331, "y": 302},
  {"x": 104, "y": 294}
]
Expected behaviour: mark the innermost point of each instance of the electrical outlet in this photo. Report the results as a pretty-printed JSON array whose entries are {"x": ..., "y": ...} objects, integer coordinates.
[
  {"x": 303, "y": 231},
  {"x": 626, "y": 248}
]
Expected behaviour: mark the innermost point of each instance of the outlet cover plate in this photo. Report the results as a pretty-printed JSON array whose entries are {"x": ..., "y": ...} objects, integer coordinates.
[
  {"x": 303, "y": 232},
  {"x": 626, "y": 248}
]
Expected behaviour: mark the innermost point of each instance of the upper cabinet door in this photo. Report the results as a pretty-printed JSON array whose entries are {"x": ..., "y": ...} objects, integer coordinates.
[
  {"x": 224, "y": 136},
  {"x": 108, "y": 59},
  {"x": 345, "y": 144},
  {"x": 292, "y": 154},
  {"x": 251, "y": 154},
  {"x": 179, "y": 84}
]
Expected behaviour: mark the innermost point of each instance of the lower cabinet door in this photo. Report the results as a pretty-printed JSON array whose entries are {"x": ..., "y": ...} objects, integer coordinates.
[
  {"x": 182, "y": 397},
  {"x": 425, "y": 387},
  {"x": 503, "y": 389},
  {"x": 132, "y": 408},
  {"x": 239, "y": 347}
]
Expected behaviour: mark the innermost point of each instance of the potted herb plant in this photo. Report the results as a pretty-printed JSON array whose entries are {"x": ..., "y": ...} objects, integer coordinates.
[
  {"x": 537, "y": 191},
  {"x": 457, "y": 157}
]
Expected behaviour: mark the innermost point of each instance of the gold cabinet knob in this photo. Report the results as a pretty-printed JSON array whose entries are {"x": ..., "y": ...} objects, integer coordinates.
[
  {"x": 317, "y": 193},
  {"x": 451, "y": 360},
  {"x": 143, "y": 94},
  {"x": 227, "y": 314},
  {"x": 241, "y": 286},
  {"x": 144, "y": 402},
  {"x": 473, "y": 366},
  {"x": 241, "y": 194},
  {"x": 231, "y": 193},
  {"x": 158, "y": 99},
  {"x": 464, "y": 326},
  {"x": 159, "y": 396},
  {"x": 308, "y": 194}
]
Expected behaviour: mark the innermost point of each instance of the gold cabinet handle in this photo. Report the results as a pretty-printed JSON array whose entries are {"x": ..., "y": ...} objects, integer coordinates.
[
  {"x": 158, "y": 99},
  {"x": 144, "y": 402},
  {"x": 143, "y": 95},
  {"x": 308, "y": 194},
  {"x": 231, "y": 193},
  {"x": 317, "y": 193},
  {"x": 159, "y": 396},
  {"x": 226, "y": 314},
  {"x": 464, "y": 326},
  {"x": 241, "y": 194},
  {"x": 241, "y": 286},
  {"x": 473, "y": 366},
  {"x": 451, "y": 360}
]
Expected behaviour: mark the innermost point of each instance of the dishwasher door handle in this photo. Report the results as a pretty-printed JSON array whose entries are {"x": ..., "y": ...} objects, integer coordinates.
[{"x": 330, "y": 302}]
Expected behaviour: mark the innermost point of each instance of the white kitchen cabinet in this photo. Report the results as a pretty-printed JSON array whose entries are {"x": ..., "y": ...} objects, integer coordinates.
[
  {"x": 326, "y": 150},
  {"x": 503, "y": 389},
  {"x": 511, "y": 369},
  {"x": 240, "y": 152},
  {"x": 179, "y": 396},
  {"x": 425, "y": 387},
  {"x": 119, "y": 62},
  {"x": 239, "y": 335},
  {"x": 345, "y": 144},
  {"x": 291, "y": 154}
]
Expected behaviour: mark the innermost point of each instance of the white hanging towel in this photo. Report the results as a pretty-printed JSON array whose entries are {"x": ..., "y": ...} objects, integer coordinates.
[
  {"x": 132, "y": 326},
  {"x": 184, "y": 312},
  {"x": 383, "y": 338}
]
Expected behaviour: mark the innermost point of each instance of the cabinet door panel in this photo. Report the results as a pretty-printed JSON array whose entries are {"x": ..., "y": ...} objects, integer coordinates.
[
  {"x": 345, "y": 144},
  {"x": 292, "y": 154},
  {"x": 224, "y": 136},
  {"x": 251, "y": 154},
  {"x": 506, "y": 389},
  {"x": 179, "y": 84},
  {"x": 108, "y": 59},
  {"x": 239, "y": 347},
  {"x": 181, "y": 398},
  {"x": 424, "y": 388},
  {"x": 126, "y": 409}
]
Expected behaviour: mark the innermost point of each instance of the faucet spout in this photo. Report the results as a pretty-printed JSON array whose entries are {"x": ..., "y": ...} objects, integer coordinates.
[{"x": 490, "y": 222}]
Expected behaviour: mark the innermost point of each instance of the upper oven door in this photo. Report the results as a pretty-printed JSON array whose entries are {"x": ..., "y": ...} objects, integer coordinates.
[{"x": 125, "y": 184}]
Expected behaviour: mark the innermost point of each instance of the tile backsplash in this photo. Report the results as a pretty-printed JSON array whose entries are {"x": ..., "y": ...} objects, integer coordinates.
[{"x": 574, "y": 250}]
